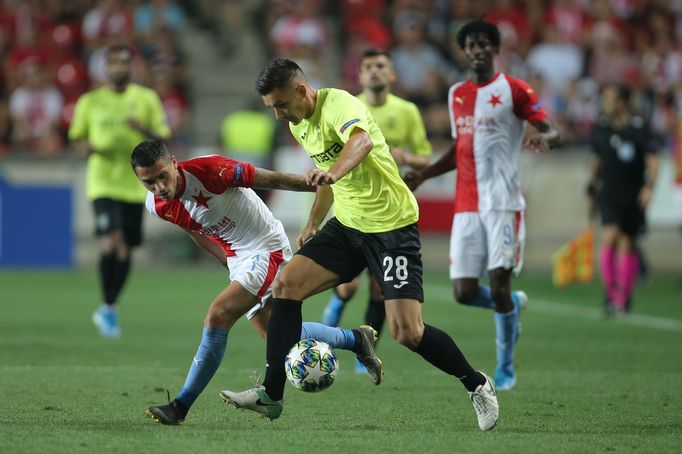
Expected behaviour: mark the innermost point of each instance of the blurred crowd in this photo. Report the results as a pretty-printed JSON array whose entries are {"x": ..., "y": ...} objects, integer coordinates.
[
  {"x": 53, "y": 51},
  {"x": 566, "y": 49}
]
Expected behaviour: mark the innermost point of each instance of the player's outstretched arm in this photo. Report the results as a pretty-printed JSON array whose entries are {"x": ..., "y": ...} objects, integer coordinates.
[
  {"x": 357, "y": 147},
  {"x": 323, "y": 202},
  {"x": 267, "y": 179},
  {"x": 444, "y": 164}
]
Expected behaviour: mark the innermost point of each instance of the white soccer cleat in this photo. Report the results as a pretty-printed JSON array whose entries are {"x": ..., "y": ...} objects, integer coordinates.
[
  {"x": 254, "y": 399},
  {"x": 523, "y": 298},
  {"x": 485, "y": 403},
  {"x": 106, "y": 321}
]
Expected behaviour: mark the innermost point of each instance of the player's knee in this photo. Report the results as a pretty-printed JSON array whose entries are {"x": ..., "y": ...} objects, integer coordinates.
[
  {"x": 501, "y": 296},
  {"x": 406, "y": 335},
  {"x": 219, "y": 316},
  {"x": 285, "y": 287},
  {"x": 464, "y": 295}
]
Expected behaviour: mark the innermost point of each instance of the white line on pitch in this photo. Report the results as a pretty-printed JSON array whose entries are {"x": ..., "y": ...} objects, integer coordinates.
[{"x": 587, "y": 313}]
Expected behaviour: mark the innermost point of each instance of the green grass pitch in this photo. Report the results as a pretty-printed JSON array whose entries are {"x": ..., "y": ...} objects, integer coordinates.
[{"x": 584, "y": 384}]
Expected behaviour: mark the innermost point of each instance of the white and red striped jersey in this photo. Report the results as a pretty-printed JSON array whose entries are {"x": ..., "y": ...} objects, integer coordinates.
[
  {"x": 215, "y": 201},
  {"x": 488, "y": 123}
]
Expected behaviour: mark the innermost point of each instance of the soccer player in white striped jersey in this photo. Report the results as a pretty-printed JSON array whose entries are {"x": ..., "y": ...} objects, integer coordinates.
[
  {"x": 210, "y": 198},
  {"x": 488, "y": 115}
]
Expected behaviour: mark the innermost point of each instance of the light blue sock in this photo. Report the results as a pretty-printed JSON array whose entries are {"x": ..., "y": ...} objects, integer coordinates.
[
  {"x": 483, "y": 299},
  {"x": 335, "y": 337},
  {"x": 205, "y": 363},
  {"x": 517, "y": 309},
  {"x": 505, "y": 332}
]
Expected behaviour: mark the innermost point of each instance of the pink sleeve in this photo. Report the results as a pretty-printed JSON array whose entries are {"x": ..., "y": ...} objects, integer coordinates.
[
  {"x": 217, "y": 173},
  {"x": 526, "y": 103}
]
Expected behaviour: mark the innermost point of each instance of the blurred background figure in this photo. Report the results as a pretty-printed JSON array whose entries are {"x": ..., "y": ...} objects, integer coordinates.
[
  {"x": 623, "y": 175},
  {"x": 108, "y": 123},
  {"x": 248, "y": 135},
  {"x": 35, "y": 110}
]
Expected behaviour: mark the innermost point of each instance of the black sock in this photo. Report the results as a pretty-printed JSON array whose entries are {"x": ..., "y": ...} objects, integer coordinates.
[
  {"x": 284, "y": 330},
  {"x": 375, "y": 316},
  {"x": 120, "y": 276},
  {"x": 108, "y": 277},
  {"x": 440, "y": 350},
  {"x": 182, "y": 408}
]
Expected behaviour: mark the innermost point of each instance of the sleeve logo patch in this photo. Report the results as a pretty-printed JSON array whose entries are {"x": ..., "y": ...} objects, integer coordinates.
[
  {"x": 238, "y": 172},
  {"x": 347, "y": 124},
  {"x": 537, "y": 106}
]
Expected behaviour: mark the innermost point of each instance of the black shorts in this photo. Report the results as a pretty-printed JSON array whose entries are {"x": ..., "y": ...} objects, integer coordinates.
[
  {"x": 393, "y": 258},
  {"x": 627, "y": 215},
  {"x": 112, "y": 215}
]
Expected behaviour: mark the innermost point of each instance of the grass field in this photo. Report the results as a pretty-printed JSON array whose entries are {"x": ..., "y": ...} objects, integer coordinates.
[{"x": 585, "y": 384}]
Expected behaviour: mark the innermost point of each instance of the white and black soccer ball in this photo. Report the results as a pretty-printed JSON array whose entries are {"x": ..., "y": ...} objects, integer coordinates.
[{"x": 311, "y": 365}]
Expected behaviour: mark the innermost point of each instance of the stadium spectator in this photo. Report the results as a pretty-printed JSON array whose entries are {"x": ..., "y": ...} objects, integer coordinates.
[
  {"x": 28, "y": 48},
  {"x": 421, "y": 70},
  {"x": 5, "y": 127},
  {"x": 35, "y": 110},
  {"x": 488, "y": 114},
  {"x": 559, "y": 62},
  {"x": 303, "y": 25},
  {"x": 151, "y": 15},
  {"x": 107, "y": 124},
  {"x": 175, "y": 107},
  {"x": 109, "y": 22},
  {"x": 623, "y": 175}
]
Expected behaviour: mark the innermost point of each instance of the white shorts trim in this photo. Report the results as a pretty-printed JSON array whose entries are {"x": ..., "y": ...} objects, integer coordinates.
[
  {"x": 256, "y": 272},
  {"x": 484, "y": 241}
]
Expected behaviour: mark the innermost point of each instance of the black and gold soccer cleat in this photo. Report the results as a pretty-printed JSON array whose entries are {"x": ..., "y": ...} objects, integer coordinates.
[
  {"x": 170, "y": 414},
  {"x": 366, "y": 354}
]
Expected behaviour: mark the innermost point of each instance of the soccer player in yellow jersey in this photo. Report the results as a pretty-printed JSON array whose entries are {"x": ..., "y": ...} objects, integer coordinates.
[
  {"x": 375, "y": 227},
  {"x": 401, "y": 124},
  {"x": 107, "y": 124}
]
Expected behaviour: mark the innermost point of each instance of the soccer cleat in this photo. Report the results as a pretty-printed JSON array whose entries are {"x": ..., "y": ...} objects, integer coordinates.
[
  {"x": 254, "y": 399},
  {"x": 366, "y": 354},
  {"x": 609, "y": 308},
  {"x": 332, "y": 313},
  {"x": 168, "y": 414},
  {"x": 106, "y": 321},
  {"x": 359, "y": 367},
  {"x": 484, "y": 399},
  {"x": 505, "y": 379}
]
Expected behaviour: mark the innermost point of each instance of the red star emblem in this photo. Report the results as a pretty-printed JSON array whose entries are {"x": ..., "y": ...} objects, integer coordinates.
[
  {"x": 202, "y": 199},
  {"x": 495, "y": 100}
]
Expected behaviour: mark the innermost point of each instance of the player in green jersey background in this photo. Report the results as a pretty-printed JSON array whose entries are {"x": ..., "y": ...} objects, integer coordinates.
[{"x": 107, "y": 124}]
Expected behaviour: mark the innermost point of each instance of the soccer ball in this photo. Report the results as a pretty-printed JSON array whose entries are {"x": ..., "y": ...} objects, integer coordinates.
[{"x": 311, "y": 365}]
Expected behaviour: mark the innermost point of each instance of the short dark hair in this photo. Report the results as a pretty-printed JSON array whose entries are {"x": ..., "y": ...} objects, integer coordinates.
[
  {"x": 116, "y": 48},
  {"x": 277, "y": 74},
  {"x": 146, "y": 153},
  {"x": 479, "y": 26},
  {"x": 374, "y": 52}
]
